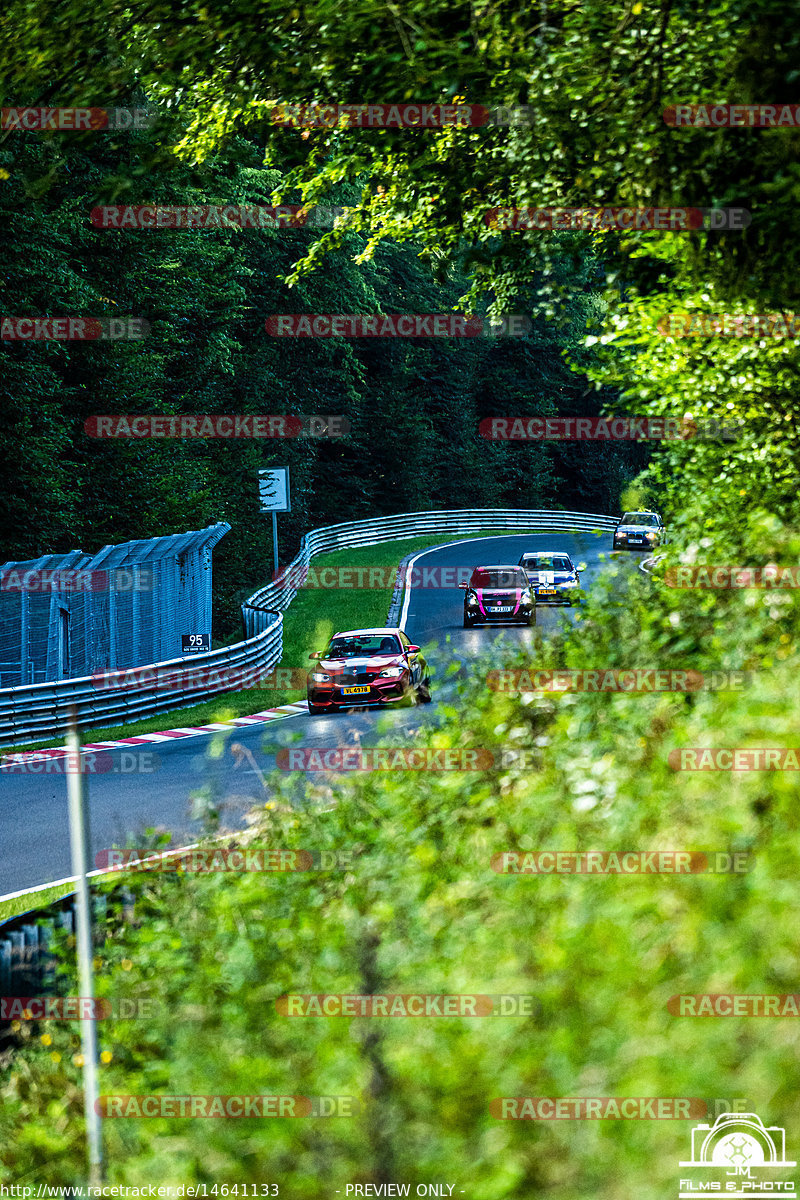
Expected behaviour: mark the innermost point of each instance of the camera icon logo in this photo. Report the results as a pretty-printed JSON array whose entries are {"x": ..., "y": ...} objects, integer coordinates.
[{"x": 738, "y": 1141}]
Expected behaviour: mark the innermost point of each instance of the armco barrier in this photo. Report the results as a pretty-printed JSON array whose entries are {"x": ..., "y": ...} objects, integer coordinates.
[
  {"x": 42, "y": 710},
  {"x": 27, "y": 962},
  {"x": 36, "y": 712},
  {"x": 648, "y": 563},
  {"x": 279, "y": 595}
]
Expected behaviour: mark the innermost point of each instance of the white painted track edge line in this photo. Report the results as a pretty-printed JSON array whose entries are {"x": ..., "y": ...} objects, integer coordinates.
[{"x": 443, "y": 546}]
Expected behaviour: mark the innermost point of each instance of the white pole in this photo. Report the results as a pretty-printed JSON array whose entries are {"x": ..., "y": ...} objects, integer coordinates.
[
  {"x": 275, "y": 542},
  {"x": 79, "y": 841}
]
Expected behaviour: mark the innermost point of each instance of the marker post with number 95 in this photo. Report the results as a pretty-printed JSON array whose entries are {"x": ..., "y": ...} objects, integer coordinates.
[{"x": 194, "y": 643}]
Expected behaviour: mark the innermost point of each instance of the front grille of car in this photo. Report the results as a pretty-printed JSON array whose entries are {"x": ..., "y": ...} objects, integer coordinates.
[
  {"x": 351, "y": 677},
  {"x": 498, "y": 598}
]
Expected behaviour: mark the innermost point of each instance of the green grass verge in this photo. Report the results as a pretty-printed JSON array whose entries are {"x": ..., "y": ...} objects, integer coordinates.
[
  {"x": 29, "y": 903},
  {"x": 307, "y": 623}
]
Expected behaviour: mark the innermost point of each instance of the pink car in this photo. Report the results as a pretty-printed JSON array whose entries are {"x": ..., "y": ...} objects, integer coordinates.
[{"x": 499, "y": 594}]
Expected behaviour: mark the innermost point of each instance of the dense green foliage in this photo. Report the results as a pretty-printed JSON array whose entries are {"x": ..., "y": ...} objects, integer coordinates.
[
  {"x": 420, "y": 910},
  {"x": 413, "y": 405}
]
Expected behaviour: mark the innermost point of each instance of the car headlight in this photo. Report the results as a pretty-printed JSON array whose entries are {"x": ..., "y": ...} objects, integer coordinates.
[
  {"x": 320, "y": 677},
  {"x": 651, "y": 537},
  {"x": 391, "y": 673},
  {"x": 525, "y": 597},
  {"x": 472, "y": 597}
]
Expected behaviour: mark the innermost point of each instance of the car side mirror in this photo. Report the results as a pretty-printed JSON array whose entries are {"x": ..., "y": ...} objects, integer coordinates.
[
  {"x": 582, "y": 566},
  {"x": 462, "y": 585},
  {"x": 412, "y": 649},
  {"x": 315, "y": 654}
]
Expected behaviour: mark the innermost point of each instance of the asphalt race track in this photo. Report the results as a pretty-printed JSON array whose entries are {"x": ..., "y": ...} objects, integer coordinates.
[{"x": 34, "y": 835}]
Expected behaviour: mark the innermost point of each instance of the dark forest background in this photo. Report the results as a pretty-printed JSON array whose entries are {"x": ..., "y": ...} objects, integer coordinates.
[{"x": 414, "y": 405}]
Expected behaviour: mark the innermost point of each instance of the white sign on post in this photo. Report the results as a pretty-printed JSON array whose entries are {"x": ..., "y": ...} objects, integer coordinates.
[{"x": 273, "y": 490}]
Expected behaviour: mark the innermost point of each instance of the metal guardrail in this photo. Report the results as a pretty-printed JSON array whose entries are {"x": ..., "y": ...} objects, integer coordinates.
[
  {"x": 27, "y": 961},
  {"x": 39, "y": 711},
  {"x": 280, "y": 593},
  {"x": 35, "y": 712},
  {"x": 646, "y": 564}
]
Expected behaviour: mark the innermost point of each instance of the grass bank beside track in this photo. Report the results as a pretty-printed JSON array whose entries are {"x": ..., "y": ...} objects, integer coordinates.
[{"x": 33, "y": 901}]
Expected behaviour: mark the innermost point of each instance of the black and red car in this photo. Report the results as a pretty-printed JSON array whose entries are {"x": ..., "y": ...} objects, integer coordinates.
[
  {"x": 367, "y": 666},
  {"x": 499, "y": 593}
]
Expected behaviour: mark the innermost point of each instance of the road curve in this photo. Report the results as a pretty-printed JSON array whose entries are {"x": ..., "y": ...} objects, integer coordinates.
[{"x": 34, "y": 835}]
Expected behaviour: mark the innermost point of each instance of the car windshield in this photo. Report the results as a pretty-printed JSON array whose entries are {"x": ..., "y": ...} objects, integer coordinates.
[
  {"x": 546, "y": 562},
  {"x": 498, "y": 577},
  {"x": 640, "y": 519},
  {"x": 364, "y": 645}
]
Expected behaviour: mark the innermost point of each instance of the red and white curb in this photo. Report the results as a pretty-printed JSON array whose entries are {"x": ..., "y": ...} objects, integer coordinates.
[{"x": 166, "y": 735}]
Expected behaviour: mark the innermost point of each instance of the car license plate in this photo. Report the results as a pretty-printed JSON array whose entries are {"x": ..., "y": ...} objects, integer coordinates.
[
  {"x": 508, "y": 609},
  {"x": 547, "y": 591},
  {"x": 355, "y": 691}
]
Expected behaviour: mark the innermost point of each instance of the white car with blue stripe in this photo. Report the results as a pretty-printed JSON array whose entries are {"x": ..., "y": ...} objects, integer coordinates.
[{"x": 552, "y": 575}]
